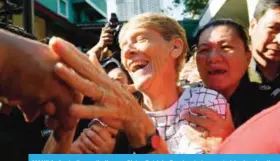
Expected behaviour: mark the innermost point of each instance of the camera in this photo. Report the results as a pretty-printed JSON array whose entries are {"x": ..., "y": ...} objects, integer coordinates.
[{"x": 115, "y": 25}]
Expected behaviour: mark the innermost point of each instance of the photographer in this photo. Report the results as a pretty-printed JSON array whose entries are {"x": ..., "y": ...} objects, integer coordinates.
[{"x": 108, "y": 43}]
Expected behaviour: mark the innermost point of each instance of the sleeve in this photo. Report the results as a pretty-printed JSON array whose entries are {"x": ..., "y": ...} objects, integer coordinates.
[
  {"x": 274, "y": 96},
  {"x": 213, "y": 100},
  {"x": 259, "y": 135}
]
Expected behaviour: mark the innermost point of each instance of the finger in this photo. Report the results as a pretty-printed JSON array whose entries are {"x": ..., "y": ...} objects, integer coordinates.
[
  {"x": 75, "y": 59},
  {"x": 131, "y": 88},
  {"x": 93, "y": 58},
  {"x": 94, "y": 137},
  {"x": 113, "y": 125},
  {"x": 107, "y": 40},
  {"x": 78, "y": 97},
  {"x": 48, "y": 109},
  {"x": 200, "y": 121},
  {"x": 107, "y": 29},
  {"x": 228, "y": 113},
  {"x": 92, "y": 111},
  {"x": 82, "y": 85},
  {"x": 101, "y": 131},
  {"x": 76, "y": 81},
  {"x": 86, "y": 145},
  {"x": 112, "y": 131},
  {"x": 86, "y": 69},
  {"x": 75, "y": 147},
  {"x": 207, "y": 112},
  {"x": 107, "y": 35}
]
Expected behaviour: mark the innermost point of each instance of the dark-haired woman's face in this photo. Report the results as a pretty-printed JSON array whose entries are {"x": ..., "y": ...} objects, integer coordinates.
[
  {"x": 118, "y": 74},
  {"x": 221, "y": 58}
]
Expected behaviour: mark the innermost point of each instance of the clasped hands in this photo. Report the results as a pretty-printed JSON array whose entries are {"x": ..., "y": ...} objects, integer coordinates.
[{"x": 113, "y": 100}]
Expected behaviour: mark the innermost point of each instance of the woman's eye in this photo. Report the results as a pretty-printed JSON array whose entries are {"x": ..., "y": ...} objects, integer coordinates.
[
  {"x": 202, "y": 51},
  {"x": 226, "y": 47},
  {"x": 139, "y": 39}
]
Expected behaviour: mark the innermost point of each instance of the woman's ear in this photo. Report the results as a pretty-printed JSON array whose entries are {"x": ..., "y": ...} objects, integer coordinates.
[
  {"x": 252, "y": 27},
  {"x": 177, "y": 49},
  {"x": 249, "y": 56}
]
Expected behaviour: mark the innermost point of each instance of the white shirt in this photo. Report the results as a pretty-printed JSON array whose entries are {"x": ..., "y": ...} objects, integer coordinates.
[{"x": 171, "y": 123}]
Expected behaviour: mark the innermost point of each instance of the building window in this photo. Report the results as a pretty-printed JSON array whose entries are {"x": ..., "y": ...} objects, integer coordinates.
[{"x": 62, "y": 8}]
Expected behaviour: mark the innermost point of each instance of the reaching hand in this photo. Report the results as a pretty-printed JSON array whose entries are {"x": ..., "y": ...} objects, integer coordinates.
[
  {"x": 96, "y": 139},
  {"x": 113, "y": 100},
  {"x": 28, "y": 79},
  {"x": 215, "y": 124}
]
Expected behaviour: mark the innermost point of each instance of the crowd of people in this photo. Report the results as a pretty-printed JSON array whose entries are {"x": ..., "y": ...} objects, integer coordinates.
[{"x": 133, "y": 99}]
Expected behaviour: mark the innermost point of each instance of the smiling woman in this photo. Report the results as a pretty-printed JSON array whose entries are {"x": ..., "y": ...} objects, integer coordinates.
[{"x": 153, "y": 48}]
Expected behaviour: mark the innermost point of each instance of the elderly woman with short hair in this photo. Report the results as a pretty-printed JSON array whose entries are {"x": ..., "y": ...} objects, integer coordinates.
[{"x": 153, "y": 48}]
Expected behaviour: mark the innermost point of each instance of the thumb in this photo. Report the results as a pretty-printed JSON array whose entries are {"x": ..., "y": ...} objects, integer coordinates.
[
  {"x": 228, "y": 113},
  {"x": 93, "y": 58},
  {"x": 131, "y": 88}
]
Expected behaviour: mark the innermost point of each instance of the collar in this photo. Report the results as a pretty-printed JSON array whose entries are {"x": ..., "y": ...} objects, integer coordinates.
[
  {"x": 243, "y": 88},
  {"x": 255, "y": 75}
]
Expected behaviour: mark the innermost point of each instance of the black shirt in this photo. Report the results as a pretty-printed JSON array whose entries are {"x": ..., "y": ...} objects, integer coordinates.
[
  {"x": 19, "y": 138},
  {"x": 256, "y": 75},
  {"x": 250, "y": 98}
]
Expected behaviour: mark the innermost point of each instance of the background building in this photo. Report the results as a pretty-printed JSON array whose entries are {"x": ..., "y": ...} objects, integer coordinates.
[
  {"x": 78, "y": 21},
  {"x": 128, "y": 8}
]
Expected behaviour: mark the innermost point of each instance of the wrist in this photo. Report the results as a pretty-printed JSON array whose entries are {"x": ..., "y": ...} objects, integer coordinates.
[
  {"x": 152, "y": 144},
  {"x": 100, "y": 46},
  {"x": 138, "y": 131}
]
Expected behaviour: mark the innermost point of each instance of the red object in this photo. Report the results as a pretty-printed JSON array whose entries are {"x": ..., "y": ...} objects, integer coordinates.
[
  {"x": 259, "y": 135},
  {"x": 156, "y": 141}
]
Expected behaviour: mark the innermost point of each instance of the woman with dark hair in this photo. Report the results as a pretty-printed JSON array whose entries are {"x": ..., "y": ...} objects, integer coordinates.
[{"x": 223, "y": 57}]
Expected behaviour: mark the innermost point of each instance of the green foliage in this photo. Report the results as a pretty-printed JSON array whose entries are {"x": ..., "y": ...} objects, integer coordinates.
[{"x": 192, "y": 7}]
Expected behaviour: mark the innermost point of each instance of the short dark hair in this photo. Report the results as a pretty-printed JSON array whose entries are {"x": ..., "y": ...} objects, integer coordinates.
[
  {"x": 45, "y": 40},
  {"x": 263, "y": 6},
  {"x": 16, "y": 30},
  {"x": 240, "y": 30}
]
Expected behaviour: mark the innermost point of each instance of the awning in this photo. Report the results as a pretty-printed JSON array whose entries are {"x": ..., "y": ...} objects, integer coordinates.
[{"x": 98, "y": 5}]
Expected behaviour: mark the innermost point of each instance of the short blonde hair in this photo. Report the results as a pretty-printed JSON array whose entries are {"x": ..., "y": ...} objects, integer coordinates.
[{"x": 168, "y": 27}]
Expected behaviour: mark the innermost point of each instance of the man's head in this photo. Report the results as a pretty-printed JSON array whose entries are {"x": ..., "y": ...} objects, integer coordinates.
[
  {"x": 154, "y": 41},
  {"x": 17, "y": 30},
  {"x": 264, "y": 31},
  {"x": 223, "y": 55}
]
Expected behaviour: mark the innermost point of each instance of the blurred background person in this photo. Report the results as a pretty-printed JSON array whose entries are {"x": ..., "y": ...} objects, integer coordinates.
[
  {"x": 189, "y": 75},
  {"x": 264, "y": 31}
]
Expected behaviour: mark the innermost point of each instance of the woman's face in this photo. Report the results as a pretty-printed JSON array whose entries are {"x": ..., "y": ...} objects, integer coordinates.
[
  {"x": 118, "y": 74},
  {"x": 221, "y": 58},
  {"x": 147, "y": 57}
]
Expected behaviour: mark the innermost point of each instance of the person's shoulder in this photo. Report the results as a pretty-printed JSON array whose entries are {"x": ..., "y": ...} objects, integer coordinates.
[
  {"x": 207, "y": 91},
  {"x": 266, "y": 92},
  {"x": 202, "y": 94},
  {"x": 193, "y": 85}
]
